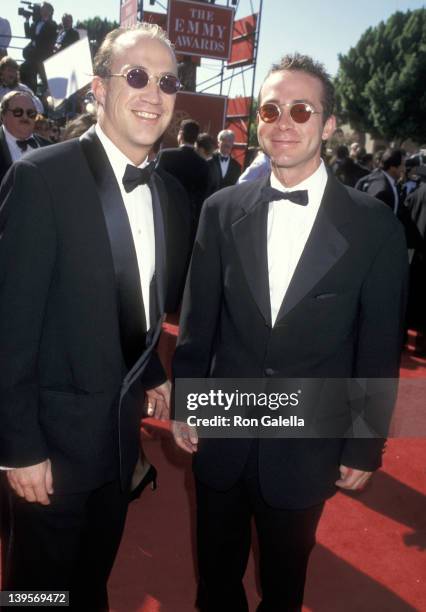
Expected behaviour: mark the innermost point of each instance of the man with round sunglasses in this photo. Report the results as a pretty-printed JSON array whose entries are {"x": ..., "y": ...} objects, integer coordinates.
[
  {"x": 18, "y": 113},
  {"x": 293, "y": 276},
  {"x": 93, "y": 252}
]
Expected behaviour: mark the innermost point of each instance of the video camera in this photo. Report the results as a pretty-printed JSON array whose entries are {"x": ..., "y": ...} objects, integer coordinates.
[{"x": 32, "y": 11}]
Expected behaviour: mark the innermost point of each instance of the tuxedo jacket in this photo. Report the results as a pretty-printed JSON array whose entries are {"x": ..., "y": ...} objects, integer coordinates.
[
  {"x": 191, "y": 170},
  {"x": 232, "y": 174},
  {"x": 5, "y": 158},
  {"x": 341, "y": 317},
  {"x": 376, "y": 184},
  {"x": 67, "y": 390}
]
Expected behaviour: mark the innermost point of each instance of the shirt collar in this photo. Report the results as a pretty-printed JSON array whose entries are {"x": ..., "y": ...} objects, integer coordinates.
[
  {"x": 313, "y": 183},
  {"x": 116, "y": 158}
]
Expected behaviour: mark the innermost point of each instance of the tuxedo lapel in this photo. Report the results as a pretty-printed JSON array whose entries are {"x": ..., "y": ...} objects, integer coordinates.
[
  {"x": 129, "y": 291},
  {"x": 323, "y": 249},
  {"x": 159, "y": 207},
  {"x": 250, "y": 236}
]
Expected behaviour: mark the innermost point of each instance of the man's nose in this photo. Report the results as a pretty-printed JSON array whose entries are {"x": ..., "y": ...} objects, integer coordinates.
[
  {"x": 284, "y": 120},
  {"x": 151, "y": 91}
]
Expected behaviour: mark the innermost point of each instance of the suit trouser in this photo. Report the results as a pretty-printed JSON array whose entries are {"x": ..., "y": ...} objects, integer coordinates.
[
  {"x": 286, "y": 538},
  {"x": 69, "y": 545}
]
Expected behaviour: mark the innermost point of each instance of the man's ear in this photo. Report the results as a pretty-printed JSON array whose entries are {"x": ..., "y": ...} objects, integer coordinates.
[
  {"x": 329, "y": 128},
  {"x": 98, "y": 88}
]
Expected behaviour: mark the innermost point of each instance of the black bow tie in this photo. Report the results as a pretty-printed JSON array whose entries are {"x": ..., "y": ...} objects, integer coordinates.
[
  {"x": 269, "y": 194},
  {"x": 29, "y": 142},
  {"x": 223, "y": 158},
  {"x": 137, "y": 176}
]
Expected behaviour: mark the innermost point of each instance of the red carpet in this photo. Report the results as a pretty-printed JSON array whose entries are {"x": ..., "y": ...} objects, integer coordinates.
[{"x": 371, "y": 546}]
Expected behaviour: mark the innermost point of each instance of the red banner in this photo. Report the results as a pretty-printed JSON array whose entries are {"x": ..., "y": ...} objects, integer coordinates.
[
  {"x": 128, "y": 13},
  {"x": 158, "y": 18},
  {"x": 243, "y": 37},
  {"x": 209, "y": 110},
  {"x": 237, "y": 120},
  {"x": 238, "y": 107},
  {"x": 202, "y": 29},
  {"x": 239, "y": 153}
]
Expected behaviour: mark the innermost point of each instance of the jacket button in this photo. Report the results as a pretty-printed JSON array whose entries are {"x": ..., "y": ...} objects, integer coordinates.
[{"x": 269, "y": 372}]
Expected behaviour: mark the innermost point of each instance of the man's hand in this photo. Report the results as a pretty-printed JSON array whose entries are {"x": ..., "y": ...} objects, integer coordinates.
[
  {"x": 34, "y": 483},
  {"x": 185, "y": 436},
  {"x": 158, "y": 402},
  {"x": 352, "y": 479}
]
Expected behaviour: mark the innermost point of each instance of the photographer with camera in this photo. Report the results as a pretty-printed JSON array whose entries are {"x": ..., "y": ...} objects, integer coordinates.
[{"x": 43, "y": 32}]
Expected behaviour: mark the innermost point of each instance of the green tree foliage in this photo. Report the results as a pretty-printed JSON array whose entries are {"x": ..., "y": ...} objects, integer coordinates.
[
  {"x": 381, "y": 82},
  {"x": 97, "y": 29}
]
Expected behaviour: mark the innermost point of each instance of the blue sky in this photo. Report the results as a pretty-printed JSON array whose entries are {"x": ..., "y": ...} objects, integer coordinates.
[{"x": 321, "y": 28}]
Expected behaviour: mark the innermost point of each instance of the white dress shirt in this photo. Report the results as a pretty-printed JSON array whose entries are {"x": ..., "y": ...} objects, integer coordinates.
[
  {"x": 138, "y": 204},
  {"x": 224, "y": 165},
  {"x": 289, "y": 226}
]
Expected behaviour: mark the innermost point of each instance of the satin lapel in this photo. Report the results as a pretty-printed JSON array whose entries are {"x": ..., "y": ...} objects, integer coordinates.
[
  {"x": 325, "y": 246},
  {"x": 250, "y": 236},
  {"x": 159, "y": 207},
  {"x": 5, "y": 149},
  {"x": 132, "y": 320}
]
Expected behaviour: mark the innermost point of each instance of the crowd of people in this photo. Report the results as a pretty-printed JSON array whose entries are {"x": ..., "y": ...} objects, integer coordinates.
[{"x": 297, "y": 270}]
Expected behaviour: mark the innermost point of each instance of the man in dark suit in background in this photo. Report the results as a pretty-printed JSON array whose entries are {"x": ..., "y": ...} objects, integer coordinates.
[
  {"x": 187, "y": 166},
  {"x": 346, "y": 169},
  {"x": 415, "y": 208},
  {"x": 305, "y": 279},
  {"x": 226, "y": 168},
  {"x": 18, "y": 113},
  {"x": 205, "y": 147},
  {"x": 89, "y": 242},
  {"x": 383, "y": 183},
  {"x": 68, "y": 35}
]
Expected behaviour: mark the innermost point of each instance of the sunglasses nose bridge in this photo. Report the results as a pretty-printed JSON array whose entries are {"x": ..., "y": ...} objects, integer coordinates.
[
  {"x": 285, "y": 120},
  {"x": 152, "y": 89}
]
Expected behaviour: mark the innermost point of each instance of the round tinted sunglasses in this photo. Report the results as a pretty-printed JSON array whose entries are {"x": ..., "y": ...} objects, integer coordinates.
[
  {"x": 138, "y": 78},
  {"x": 18, "y": 112},
  {"x": 300, "y": 112}
]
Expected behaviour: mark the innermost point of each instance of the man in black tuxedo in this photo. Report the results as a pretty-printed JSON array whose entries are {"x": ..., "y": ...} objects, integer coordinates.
[
  {"x": 292, "y": 276},
  {"x": 187, "y": 166},
  {"x": 89, "y": 242},
  {"x": 18, "y": 113},
  {"x": 226, "y": 168}
]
